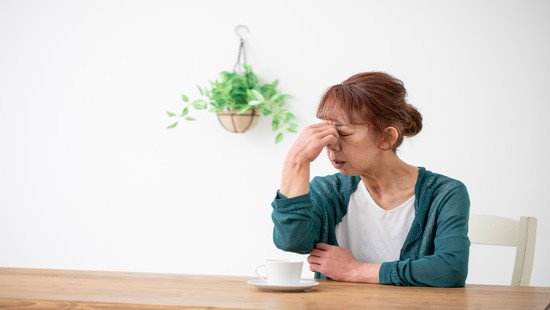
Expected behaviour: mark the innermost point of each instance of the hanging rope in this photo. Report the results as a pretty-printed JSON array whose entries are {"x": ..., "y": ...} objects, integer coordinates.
[{"x": 241, "y": 56}]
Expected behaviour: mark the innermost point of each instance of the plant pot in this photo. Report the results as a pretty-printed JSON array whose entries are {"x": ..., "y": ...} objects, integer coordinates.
[{"x": 234, "y": 122}]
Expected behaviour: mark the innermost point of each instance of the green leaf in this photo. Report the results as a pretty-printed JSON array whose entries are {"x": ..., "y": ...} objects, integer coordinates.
[
  {"x": 184, "y": 112},
  {"x": 170, "y": 114},
  {"x": 173, "y": 125},
  {"x": 279, "y": 137},
  {"x": 184, "y": 98},
  {"x": 188, "y": 118},
  {"x": 199, "y": 104},
  {"x": 258, "y": 95},
  {"x": 275, "y": 97},
  {"x": 227, "y": 90},
  {"x": 265, "y": 110},
  {"x": 200, "y": 90},
  {"x": 246, "y": 108},
  {"x": 292, "y": 129},
  {"x": 288, "y": 114},
  {"x": 254, "y": 102},
  {"x": 275, "y": 124}
]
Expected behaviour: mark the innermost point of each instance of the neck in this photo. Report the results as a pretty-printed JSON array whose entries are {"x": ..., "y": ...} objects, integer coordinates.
[{"x": 390, "y": 175}]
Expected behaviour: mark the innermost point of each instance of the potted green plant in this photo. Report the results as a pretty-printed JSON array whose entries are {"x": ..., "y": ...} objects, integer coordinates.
[{"x": 239, "y": 98}]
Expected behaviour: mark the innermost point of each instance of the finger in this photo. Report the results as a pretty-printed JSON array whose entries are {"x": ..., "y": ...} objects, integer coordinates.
[
  {"x": 317, "y": 125},
  {"x": 316, "y": 252},
  {"x": 314, "y": 260},
  {"x": 329, "y": 140},
  {"x": 325, "y": 131},
  {"x": 312, "y": 130},
  {"x": 329, "y": 135},
  {"x": 321, "y": 128},
  {"x": 323, "y": 246},
  {"x": 315, "y": 267},
  {"x": 316, "y": 128}
]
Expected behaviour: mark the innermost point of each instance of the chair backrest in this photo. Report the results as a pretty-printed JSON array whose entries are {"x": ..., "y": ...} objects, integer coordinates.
[{"x": 497, "y": 230}]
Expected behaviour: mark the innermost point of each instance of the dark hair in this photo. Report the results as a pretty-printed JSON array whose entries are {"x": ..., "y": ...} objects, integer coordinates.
[{"x": 373, "y": 98}]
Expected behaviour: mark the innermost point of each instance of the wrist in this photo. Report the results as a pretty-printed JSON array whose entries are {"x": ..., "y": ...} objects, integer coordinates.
[
  {"x": 367, "y": 273},
  {"x": 373, "y": 271},
  {"x": 295, "y": 180},
  {"x": 295, "y": 167},
  {"x": 294, "y": 162}
]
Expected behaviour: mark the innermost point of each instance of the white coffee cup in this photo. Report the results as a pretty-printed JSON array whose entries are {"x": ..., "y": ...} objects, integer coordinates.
[{"x": 281, "y": 272}]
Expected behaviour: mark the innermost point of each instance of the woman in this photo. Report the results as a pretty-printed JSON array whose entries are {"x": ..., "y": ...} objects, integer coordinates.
[{"x": 379, "y": 220}]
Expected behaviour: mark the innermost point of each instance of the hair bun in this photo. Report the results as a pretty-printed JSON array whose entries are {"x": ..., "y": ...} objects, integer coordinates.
[{"x": 414, "y": 121}]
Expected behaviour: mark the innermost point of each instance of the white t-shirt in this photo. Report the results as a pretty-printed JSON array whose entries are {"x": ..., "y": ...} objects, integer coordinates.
[{"x": 372, "y": 234}]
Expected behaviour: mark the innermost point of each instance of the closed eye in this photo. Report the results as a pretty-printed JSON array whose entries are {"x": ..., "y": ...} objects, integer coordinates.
[{"x": 343, "y": 134}]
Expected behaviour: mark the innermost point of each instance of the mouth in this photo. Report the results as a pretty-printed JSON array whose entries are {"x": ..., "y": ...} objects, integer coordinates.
[{"x": 338, "y": 163}]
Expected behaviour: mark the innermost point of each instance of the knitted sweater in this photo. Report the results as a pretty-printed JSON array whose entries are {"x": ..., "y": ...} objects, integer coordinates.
[{"x": 435, "y": 252}]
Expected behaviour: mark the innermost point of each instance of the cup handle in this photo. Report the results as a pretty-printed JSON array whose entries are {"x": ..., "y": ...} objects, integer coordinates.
[{"x": 258, "y": 272}]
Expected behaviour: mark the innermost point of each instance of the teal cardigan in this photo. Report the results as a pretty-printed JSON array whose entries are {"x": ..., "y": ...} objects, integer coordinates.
[{"x": 435, "y": 252}]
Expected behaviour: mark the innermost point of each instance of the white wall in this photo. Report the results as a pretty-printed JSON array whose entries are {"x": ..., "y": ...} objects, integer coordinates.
[{"x": 90, "y": 178}]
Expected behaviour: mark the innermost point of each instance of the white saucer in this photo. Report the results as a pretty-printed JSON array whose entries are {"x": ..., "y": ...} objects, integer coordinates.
[{"x": 264, "y": 285}]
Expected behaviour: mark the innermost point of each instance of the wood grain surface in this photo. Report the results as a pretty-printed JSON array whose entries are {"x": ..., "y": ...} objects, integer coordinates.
[{"x": 29, "y": 288}]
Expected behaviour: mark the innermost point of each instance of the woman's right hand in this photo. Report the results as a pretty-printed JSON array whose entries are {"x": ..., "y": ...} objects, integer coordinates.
[
  {"x": 306, "y": 148},
  {"x": 311, "y": 141}
]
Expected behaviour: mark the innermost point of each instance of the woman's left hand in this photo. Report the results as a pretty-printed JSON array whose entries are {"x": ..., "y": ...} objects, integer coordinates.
[{"x": 334, "y": 262}]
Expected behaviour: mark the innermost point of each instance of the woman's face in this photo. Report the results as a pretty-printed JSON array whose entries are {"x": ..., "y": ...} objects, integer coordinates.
[{"x": 357, "y": 148}]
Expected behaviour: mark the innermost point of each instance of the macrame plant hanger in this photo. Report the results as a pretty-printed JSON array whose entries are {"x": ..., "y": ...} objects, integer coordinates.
[{"x": 231, "y": 120}]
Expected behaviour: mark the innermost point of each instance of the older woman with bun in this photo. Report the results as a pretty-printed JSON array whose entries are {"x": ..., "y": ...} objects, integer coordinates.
[{"x": 379, "y": 219}]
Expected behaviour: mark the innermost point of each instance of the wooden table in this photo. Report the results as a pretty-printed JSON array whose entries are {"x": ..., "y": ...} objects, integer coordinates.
[{"x": 24, "y": 288}]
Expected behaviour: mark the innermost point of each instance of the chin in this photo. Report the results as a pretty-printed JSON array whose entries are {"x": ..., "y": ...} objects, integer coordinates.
[{"x": 348, "y": 172}]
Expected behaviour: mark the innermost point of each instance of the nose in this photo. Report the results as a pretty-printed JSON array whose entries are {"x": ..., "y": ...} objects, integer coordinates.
[{"x": 334, "y": 146}]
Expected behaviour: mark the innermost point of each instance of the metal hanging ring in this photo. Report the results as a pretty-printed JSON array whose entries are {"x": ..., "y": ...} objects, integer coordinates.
[{"x": 237, "y": 31}]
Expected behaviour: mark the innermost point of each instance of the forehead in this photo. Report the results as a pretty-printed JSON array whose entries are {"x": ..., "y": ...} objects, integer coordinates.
[
  {"x": 339, "y": 118},
  {"x": 335, "y": 115},
  {"x": 339, "y": 124},
  {"x": 340, "y": 112}
]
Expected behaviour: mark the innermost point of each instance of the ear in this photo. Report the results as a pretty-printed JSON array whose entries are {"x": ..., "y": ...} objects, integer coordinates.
[{"x": 388, "y": 138}]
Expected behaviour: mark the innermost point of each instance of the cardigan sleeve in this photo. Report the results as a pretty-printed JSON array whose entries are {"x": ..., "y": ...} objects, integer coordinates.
[
  {"x": 303, "y": 221},
  {"x": 448, "y": 266},
  {"x": 297, "y": 223}
]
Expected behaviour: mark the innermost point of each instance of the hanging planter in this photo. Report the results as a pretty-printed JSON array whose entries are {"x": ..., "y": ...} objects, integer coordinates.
[
  {"x": 235, "y": 122},
  {"x": 239, "y": 99}
]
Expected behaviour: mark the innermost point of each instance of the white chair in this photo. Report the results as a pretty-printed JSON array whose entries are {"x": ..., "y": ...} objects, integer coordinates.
[{"x": 496, "y": 230}]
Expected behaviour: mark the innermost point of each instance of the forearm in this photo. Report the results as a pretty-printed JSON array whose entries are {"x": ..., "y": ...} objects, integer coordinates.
[
  {"x": 296, "y": 229},
  {"x": 295, "y": 179},
  {"x": 439, "y": 270}
]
